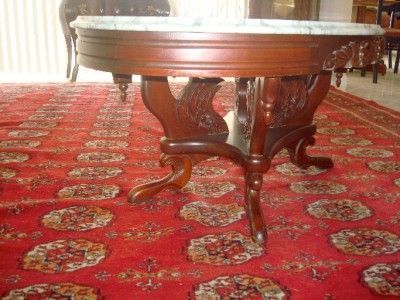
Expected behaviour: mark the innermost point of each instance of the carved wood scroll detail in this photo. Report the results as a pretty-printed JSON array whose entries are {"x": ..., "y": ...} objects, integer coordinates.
[
  {"x": 244, "y": 109},
  {"x": 293, "y": 97},
  {"x": 341, "y": 58},
  {"x": 194, "y": 107},
  {"x": 356, "y": 54}
]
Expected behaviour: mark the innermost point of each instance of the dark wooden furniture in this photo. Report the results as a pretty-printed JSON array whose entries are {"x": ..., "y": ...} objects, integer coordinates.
[
  {"x": 364, "y": 11},
  {"x": 282, "y": 80},
  {"x": 392, "y": 34},
  {"x": 382, "y": 12},
  {"x": 71, "y": 9}
]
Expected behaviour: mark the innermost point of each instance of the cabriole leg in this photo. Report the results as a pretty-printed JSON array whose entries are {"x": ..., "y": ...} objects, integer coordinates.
[
  {"x": 181, "y": 171},
  {"x": 252, "y": 193},
  {"x": 186, "y": 118},
  {"x": 300, "y": 158}
]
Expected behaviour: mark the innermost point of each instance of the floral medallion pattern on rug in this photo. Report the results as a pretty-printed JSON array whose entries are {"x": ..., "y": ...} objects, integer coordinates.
[
  {"x": 351, "y": 141},
  {"x": 64, "y": 256},
  {"x": 364, "y": 241},
  {"x": 318, "y": 187},
  {"x": 385, "y": 166},
  {"x": 54, "y": 291},
  {"x": 397, "y": 182},
  {"x": 77, "y": 218},
  {"x": 112, "y": 124},
  {"x": 109, "y": 133},
  {"x": 368, "y": 152},
  {"x": 209, "y": 189},
  {"x": 89, "y": 191},
  {"x": 240, "y": 287},
  {"x": 7, "y": 172},
  {"x": 95, "y": 172},
  {"x": 341, "y": 209},
  {"x": 13, "y": 157},
  {"x": 105, "y": 157},
  {"x": 70, "y": 153},
  {"x": 336, "y": 131},
  {"x": 212, "y": 215},
  {"x": 19, "y": 144},
  {"x": 383, "y": 279},
  {"x": 208, "y": 172},
  {"x": 291, "y": 170},
  {"x": 28, "y": 133},
  {"x": 101, "y": 144},
  {"x": 230, "y": 248}
]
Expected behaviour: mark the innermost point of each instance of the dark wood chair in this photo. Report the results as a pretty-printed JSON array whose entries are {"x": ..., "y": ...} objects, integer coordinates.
[
  {"x": 392, "y": 34},
  {"x": 71, "y": 9}
]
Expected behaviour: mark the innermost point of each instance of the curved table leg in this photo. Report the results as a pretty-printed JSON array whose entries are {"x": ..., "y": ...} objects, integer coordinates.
[
  {"x": 300, "y": 158},
  {"x": 252, "y": 193},
  {"x": 266, "y": 93},
  {"x": 181, "y": 171},
  {"x": 316, "y": 92},
  {"x": 179, "y": 123}
]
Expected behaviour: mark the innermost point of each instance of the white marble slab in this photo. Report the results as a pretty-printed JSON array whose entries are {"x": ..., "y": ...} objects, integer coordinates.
[{"x": 207, "y": 25}]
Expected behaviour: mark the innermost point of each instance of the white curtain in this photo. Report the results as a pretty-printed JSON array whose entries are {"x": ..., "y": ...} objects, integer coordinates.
[
  {"x": 32, "y": 46},
  {"x": 31, "y": 40}
]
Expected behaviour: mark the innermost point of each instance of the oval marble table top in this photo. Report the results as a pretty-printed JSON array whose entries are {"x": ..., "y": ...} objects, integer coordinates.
[{"x": 212, "y": 25}]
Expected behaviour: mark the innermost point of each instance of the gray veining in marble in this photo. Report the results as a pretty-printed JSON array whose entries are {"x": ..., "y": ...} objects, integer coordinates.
[{"x": 207, "y": 25}]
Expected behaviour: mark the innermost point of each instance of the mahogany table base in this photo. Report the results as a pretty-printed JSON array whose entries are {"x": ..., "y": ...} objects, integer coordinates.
[
  {"x": 282, "y": 78},
  {"x": 270, "y": 114}
]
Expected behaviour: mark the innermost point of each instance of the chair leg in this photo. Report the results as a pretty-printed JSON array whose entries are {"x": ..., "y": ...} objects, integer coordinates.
[
  {"x": 69, "y": 52},
  {"x": 390, "y": 59},
  {"x": 375, "y": 69},
  {"x": 74, "y": 74},
  {"x": 396, "y": 64},
  {"x": 363, "y": 72}
]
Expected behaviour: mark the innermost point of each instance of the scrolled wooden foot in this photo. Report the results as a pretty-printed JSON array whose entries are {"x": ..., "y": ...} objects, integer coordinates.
[
  {"x": 123, "y": 87},
  {"x": 122, "y": 80},
  {"x": 339, "y": 76},
  {"x": 301, "y": 159},
  {"x": 181, "y": 171},
  {"x": 254, "y": 212}
]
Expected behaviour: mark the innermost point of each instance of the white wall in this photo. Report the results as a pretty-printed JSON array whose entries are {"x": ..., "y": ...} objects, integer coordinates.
[
  {"x": 336, "y": 10},
  {"x": 209, "y": 8}
]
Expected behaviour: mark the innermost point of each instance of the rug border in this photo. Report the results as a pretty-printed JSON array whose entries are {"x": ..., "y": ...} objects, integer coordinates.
[{"x": 370, "y": 102}]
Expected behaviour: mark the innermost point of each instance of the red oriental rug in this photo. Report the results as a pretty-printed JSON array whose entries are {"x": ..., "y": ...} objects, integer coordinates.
[{"x": 70, "y": 153}]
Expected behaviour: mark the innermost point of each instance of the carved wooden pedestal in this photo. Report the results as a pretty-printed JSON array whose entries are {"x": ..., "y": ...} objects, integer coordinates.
[
  {"x": 282, "y": 78},
  {"x": 270, "y": 114}
]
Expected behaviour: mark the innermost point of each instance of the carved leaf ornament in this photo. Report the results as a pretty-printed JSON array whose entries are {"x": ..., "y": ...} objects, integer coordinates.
[
  {"x": 293, "y": 97},
  {"x": 356, "y": 54},
  {"x": 194, "y": 106},
  {"x": 340, "y": 58}
]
